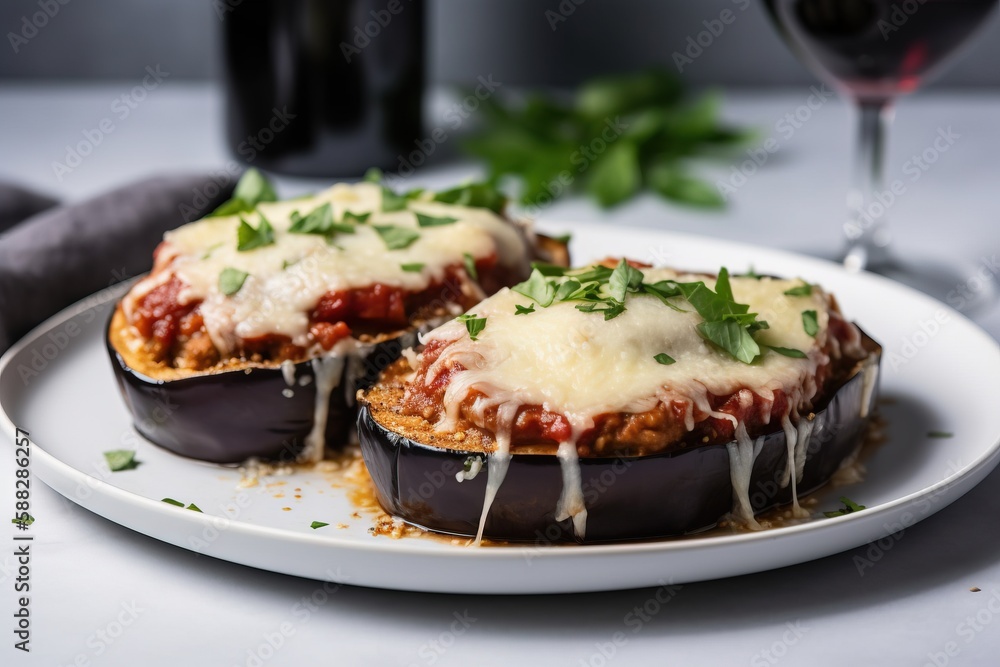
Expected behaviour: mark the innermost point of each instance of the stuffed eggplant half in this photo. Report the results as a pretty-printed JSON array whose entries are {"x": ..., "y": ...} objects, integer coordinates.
[
  {"x": 619, "y": 402},
  {"x": 257, "y": 325}
]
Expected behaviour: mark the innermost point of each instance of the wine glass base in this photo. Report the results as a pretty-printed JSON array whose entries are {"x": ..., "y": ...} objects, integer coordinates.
[{"x": 968, "y": 288}]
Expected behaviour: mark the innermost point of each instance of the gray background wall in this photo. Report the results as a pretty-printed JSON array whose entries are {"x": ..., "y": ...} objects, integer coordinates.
[{"x": 513, "y": 39}]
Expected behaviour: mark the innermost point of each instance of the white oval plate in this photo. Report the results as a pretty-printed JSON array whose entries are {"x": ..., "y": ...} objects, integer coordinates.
[{"x": 939, "y": 370}]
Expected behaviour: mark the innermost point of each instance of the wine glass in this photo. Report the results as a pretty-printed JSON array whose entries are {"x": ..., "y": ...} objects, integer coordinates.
[{"x": 874, "y": 51}]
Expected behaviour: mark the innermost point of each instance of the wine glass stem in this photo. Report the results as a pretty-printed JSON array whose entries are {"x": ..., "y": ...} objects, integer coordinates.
[{"x": 867, "y": 228}]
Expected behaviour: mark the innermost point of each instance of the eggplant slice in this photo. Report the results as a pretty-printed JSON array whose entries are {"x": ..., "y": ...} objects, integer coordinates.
[
  {"x": 257, "y": 410},
  {"x": 660, "y": 495},
  {"x": 252, "y": 411}
]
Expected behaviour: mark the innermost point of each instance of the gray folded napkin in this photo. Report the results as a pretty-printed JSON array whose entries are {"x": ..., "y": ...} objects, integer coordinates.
[
  {"x": 61, "y": 255},
  {"x": 17, "y": 203}
]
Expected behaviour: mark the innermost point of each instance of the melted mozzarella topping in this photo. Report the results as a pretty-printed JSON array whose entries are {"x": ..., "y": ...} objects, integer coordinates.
[
  {"x": 579, "y": 365},
  {"x": 287, "y": 279}
]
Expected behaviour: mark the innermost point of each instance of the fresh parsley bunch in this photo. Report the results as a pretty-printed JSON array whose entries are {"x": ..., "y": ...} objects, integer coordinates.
[{"x": 619, "y": 135}]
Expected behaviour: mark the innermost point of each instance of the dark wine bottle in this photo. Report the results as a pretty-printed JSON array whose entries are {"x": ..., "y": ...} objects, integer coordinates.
[{"x": 323, "y": 87}]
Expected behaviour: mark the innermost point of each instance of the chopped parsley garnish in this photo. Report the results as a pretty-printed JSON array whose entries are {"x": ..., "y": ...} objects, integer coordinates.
[
  {"x": 473, "y": 324},
  {"x": 248, "y": 238},
  {"x": 414, "y": 267},
  {"x": 470, "y": 266},
  {"x": 732, "y": 337},
  {"x": 809, "y": 322},
  {"x": 801, "y": 290},
  {"x": 177, "y": 503},
  {"x": 521, "y": 310},
  {"x": 537, "y": 288},
  {"x": 432, "y": 221},
  {"x": 475, "y": 195},
  {"x": 624, "y": 279},
  {"x": 727, "y": 324},
  {"x": 359, "y": 218},
  {"x": 231, "y": 280},
  {"x": 396, "y": 238},
  {"x": 373, "y": 175},
  {"x": 121, "y": 459},
  {"x": 392, "y": 202},
  {"x": 664, "y": 358},
  {"x": 850, "y": 507},
  {"x": 317, "y": 524},
  {"x": 319, "y": 221},
  {"x": 23, "y": 520},
  {"x": 940, "y": 434},
  {"x": 289, "y": 262},
  {"x": 252, "y": 189},
  {"x": 787, "y": 352}
]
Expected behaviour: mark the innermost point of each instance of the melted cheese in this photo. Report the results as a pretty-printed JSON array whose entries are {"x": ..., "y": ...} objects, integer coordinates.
[
  {"x": 287, "y": 279},
  {"x": 579, "y": 365}
]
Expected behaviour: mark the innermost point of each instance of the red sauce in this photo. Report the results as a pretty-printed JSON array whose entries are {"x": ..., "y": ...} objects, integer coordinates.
[{"x": 159, "y": 316}]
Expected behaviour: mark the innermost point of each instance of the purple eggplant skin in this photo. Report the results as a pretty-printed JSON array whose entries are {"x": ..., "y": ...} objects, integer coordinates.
[
  {"x": 627, "y": 498},
  {"x": 231, "y": 416}
]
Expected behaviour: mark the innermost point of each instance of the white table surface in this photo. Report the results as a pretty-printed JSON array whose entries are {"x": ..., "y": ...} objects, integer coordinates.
[{"x": 199, "y": 611}]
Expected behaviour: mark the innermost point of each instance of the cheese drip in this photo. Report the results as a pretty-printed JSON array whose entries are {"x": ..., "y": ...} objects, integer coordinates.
[
  {"x": 287, "y": 278},
  {"x": 579, "y": 365}
]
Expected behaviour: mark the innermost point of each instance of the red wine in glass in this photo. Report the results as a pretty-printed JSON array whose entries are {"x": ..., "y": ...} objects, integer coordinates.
[
  {"x": 877, "y": 49},
  {"x": 874, "y": 51}
]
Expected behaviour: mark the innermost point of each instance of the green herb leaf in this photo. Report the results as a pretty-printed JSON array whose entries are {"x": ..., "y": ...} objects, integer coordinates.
[
  {"x": 318, "y": 524},
  {"x": 431, "y": 221},
  {"x": 788, "y": 352},
  {"x": 664, "y": 290},
  {"x": 359, "y": 218},
  {"x": 615, "y": 177},
  {"x": 23, "y": 520},
  {"x": 477, "y": 195},
  {"x": 671, "y": 182},
  {"x": 318, "y": 221},
  {"x": 177, "y": 503},
  {"x": 392, "y": 201},
  {"x": 285, "y": 263},
  {"x": 664, "y": 358},
  {"x": 473, "y": 324},
  {"x": 732, "y": 337},
  {"x": 940, "y": 434},
  {"x": 396, "y": 238},
  {"x": 373, "y": 175},
  {"x": 252, "y": 189},
  {"x": 809, "y": 322},
  {"x": 231, "y": 280},
  {"x": 521, "y": 310},
  {"x": 800, "y": 290},
  {"x": 850, "y": 507},
  {"x": 624, "y": 279},
  {"x": 549, "y": 269},
  {"x": 537, "y": 288},
  {"x": 414, "y": 267},
  {"x": 470, "y": 266},
  {"x": 722, "y": 286},
  {"x": 248, "y": 238},
  {"x": 121, "y": 459}
]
